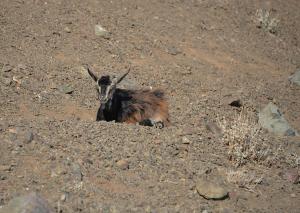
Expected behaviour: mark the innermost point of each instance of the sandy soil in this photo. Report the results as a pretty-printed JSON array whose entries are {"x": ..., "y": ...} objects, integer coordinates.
[{"x": 203, "y": 53}]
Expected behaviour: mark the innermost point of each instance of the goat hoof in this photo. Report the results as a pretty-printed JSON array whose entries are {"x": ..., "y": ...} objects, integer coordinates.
[{"x": 159, "y": 125}]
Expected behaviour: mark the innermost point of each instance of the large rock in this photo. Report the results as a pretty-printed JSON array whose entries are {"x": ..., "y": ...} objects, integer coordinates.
[
  {"x": 271, "y": 119},
  {"x": 211, "y": 190},
  {"x": 295, "y": 78},
  {"x": 30, "y": 203}
]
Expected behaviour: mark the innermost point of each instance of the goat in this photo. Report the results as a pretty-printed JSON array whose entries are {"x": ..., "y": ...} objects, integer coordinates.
[{"x": 145, "y": 107}]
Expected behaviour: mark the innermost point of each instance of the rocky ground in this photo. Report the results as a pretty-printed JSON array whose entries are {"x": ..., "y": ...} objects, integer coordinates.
[{"x": 220, "y": 63}]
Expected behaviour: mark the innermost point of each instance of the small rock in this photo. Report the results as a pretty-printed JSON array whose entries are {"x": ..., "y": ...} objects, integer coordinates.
[
  {"x": 5, "y": 168},
  {"x": 82, "y": 70},
  {"x": 102, "y": 32},
  {"x": 63, "y": 197},
  {"x": 28, "y": 137},
  {"x": 30, "y": 203},
  {"x": 233, "y": 196},
  {"x": 236, "y": 103},
  {"x": 6, "y": 81},
  {"x": 185, "y": 140},
  {"x": 7, "y": 68},
  {"x": 3, "y": 177},
  {"x": 76, "y": 171},
  {"x": 123, "y": 164},
  {"x": 210, "y": 190},
  {"x": 292, "y": 176},
  {"x": 67, "y": 29},
  {"x": 271, "y": 119},
  {"x": 295, "y": 78},
  {"x": 67, "y": 89},
  {"x": 212, "y": 127},
  {"x": 21, "y": 135},
  {"x": 173, "y": 50},
  {"x": 293, "y": 195},
  {"x": 22, "y": 66}
]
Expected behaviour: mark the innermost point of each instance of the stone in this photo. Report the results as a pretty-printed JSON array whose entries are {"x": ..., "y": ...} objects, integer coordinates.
[
  {"x": 66, "y": 88},
  {"x": 210, "y": 190},
  {"x": 21, "y": 135},
  {"x": 236, "y": 103},
  {"x": 7, "y": 68},
  {"x": 5, "y": 168},
  {"x": 82, "y": 70},
  {"x": 173, "y": 50},
  {"x": 63, "y": 197},
  {"x": 212, "y": 126},
  {"x": 28, "y": 137},
  {"x": 271, "y": 119},
  {"x": 295, "y": 78},
  {"x": 123, "y": 164},
  {"x": 76, "y": 171},
  {"x": 292, "y": 176},
  {"x": 185, "y": 140},
  {"x": 30, "y": 203},
  {"x": 6, "y": 81},
  {"x": 102, "y": 32},
  {"x": 67, "y": 29}
]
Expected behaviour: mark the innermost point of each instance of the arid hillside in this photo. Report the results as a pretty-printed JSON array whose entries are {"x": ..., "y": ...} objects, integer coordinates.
[{"x": 220, "y": 63}]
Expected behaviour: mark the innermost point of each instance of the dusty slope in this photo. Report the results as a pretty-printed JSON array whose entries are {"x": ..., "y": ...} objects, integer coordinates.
[{"x": 203, "y": 53}]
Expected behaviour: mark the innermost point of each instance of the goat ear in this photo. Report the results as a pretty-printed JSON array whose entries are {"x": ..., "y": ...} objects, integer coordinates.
[
  {"x": 92, "y": 74},
  {"x": 123, "y": 76}
]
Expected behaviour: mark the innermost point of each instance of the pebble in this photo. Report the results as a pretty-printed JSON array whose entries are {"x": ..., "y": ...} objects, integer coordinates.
[
  {"x": 82, "y": 70},
  {"x": 173, "y": 50},
  {"x": 210, "y": 190},
  {"x": 5, "y": 168},
  {"x": 185, "y": 140},
  {"x": 123, "y": 164},
  {"x": 67, "y": 29},
  {"x": 29, "y": 203},
  {"x": 28, "y": 137},
  {"x": 295, "y": 78},
  {"x": 76, "y": 171},
  {"x": 236, "y": 103},
  {"x": 292, "y": 176},
  {"x": 7, "y": 68},
  {"x": 63, "y": 197},
  {"x": 212, "y": 127},
  {"x": 67, "y": 89},
  {"x": 6, "y": 81},
  {"x": 102, "y": 32},
  {"x": 21, "y": 135}
]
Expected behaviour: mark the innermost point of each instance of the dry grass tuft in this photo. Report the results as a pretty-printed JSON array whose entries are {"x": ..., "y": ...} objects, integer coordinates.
[
  {"x": 243, "y": 137},
  {"x": 264, "y": 21},
  {"x": 244, "y": 179}
]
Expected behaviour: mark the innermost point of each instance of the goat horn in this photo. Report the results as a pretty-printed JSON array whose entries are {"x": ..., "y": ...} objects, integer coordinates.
[
  {"x": 120, "y": 79},
  {"x": 91, "y": 73}
]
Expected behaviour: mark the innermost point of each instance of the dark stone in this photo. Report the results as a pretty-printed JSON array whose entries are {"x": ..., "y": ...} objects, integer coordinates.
[{"x": 236, "y": 103}]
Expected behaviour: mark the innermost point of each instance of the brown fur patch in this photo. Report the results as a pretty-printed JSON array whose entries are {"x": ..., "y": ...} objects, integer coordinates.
[{"x": 148, "y": 104}]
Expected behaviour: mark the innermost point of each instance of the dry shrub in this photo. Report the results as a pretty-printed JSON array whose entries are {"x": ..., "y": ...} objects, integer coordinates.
[
  {"x": 242, "y": 135},
  {"x": 244, "y": 179},
  {"x": 264, "y": 21}
]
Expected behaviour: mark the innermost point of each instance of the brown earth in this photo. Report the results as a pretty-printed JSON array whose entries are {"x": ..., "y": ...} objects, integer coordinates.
[{"x": 203, "y": 53}]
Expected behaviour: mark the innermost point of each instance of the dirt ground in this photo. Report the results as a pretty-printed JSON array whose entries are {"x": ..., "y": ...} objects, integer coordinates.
[{"x": 203, "y": 53}]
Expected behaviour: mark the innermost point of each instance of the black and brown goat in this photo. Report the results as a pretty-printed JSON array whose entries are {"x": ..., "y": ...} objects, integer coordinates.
[{"x": 145, "y": 107}]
